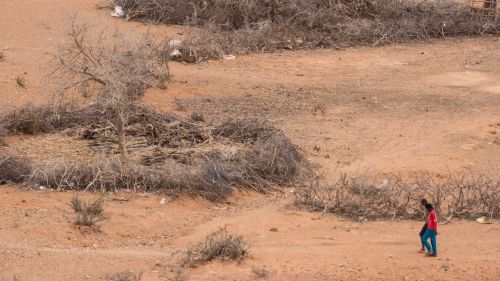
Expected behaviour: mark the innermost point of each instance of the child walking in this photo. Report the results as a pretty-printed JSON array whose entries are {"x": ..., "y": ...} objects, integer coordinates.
[
  {"x": 423, "y": 202},
  {"x": 430, "y": 232}
]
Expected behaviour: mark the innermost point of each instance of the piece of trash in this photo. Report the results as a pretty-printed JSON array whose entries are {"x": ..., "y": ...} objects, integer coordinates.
[
  {"x": 175, "y": 54},
  {"x": 228, "y": 57},
  {"x": 483, "y": 220},
  {"x": 118, "y": 13},
  {"x": 466, "y": 66},
  {"x": 122, "y": 199},
  {"x": 174, "y": 43},
  {"x": 163, "y": 201},
  {"x": 41, "y": 187}
]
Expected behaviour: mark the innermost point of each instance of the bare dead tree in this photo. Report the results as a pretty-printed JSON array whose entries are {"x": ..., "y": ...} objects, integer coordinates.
[{"x": 110, "y": 67}]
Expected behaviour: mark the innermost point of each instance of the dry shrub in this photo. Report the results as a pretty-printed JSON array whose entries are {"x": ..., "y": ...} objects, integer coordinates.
[
  {"x": 88, "y": 214},
  {"x": 13, "y": 168},
  {"x": 237, "y": 27},
  {"x": 460, "y": 196},
  {"x": 125, "y": 276},
  {"x": 21, "y": 82},
  {"x": 115, "y": 66},
  {"x": 260, "y": 272},
  {"x": 220, "y": 244}
]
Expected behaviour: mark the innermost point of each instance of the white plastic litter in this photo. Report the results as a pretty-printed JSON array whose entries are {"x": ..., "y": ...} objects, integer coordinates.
[
  {"x": 483, "y": 220},
  {"x": 118, "y": 13},
  {"x": 175, "y": 53},
  {"x": 163, "y": 201},
  {"x": 228, "y": 57}
]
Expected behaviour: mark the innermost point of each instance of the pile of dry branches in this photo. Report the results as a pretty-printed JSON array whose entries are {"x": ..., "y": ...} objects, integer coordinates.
[
  {"x": 459, "y": 196},
  {"x": 13, "y": 168},
  {"x": 236, "y": 27},
  {"x": 166, "y": 153}
]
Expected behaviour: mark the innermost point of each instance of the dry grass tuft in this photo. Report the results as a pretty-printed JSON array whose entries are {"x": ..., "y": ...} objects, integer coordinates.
[
  {"x": 460, "y": 196},
  {"x": 21, "y": 82},
  {"x": 260, "y": 272},
  {"x": 88, "y": 214},
  {"x": 219, "y": 244},
  {"x": 125, "y": 276}
]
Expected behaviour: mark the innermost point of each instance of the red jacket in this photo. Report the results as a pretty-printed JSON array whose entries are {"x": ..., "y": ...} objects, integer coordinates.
[{"x": 432, "y": 221}]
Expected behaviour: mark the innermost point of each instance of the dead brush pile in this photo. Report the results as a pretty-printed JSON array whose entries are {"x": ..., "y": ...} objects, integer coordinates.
[
  {"x": 220, "y": 244},
  {"x": 236, "y": 27},
  {"x": 459, "y": 196},
  {"x": 13, "y": 168},
  {"x": 167, "y": 154}
]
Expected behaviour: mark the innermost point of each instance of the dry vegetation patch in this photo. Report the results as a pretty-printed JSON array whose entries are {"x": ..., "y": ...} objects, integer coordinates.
[
  {"x": 88, "y": 214},
  {"x": 465, "y": 196},
  {"x": 125, "y": 276},
  {"x": 13, "y": 168},
  {"x": 220, "y": 244},
  {"x": 166, "y": 153},
  {"x": 236, "y": 27}
]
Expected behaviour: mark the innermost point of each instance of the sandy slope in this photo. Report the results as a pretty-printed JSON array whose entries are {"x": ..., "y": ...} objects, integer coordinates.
[{"x": 397, "y": 109}]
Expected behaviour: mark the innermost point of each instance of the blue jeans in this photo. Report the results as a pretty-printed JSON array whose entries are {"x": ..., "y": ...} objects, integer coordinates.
[{"x": 429, "y": 233}]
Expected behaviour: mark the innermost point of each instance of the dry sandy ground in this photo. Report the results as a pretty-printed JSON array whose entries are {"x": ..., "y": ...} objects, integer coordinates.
[{"x": 399, "y": 109}]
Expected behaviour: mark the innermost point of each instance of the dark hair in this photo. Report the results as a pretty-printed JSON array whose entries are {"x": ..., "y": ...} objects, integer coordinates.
[
  {"x": 429, "y": 207},
  {"x": 424, "y": 202}
]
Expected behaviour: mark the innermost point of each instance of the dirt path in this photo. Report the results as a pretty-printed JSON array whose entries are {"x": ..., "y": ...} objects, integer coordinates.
[
  {"x": 305, "y": 246},
  {"x": 400, "y": 109}
]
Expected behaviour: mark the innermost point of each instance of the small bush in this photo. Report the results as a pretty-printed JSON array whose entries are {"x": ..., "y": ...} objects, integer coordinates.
[
  {"x": 260, "y": 272},
  {"x": 459, "y": 196},
  {"x": 87, "y": 214},
  {"x": 125, "y": 276},
  {"x": 13, "y": 168},
  {"x": 219, "y": 244},
  {"x": 21, "y": 82}
]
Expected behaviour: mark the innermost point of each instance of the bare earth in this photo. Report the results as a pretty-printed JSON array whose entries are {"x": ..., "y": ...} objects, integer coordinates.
[{"x": 399, "y": 109}]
